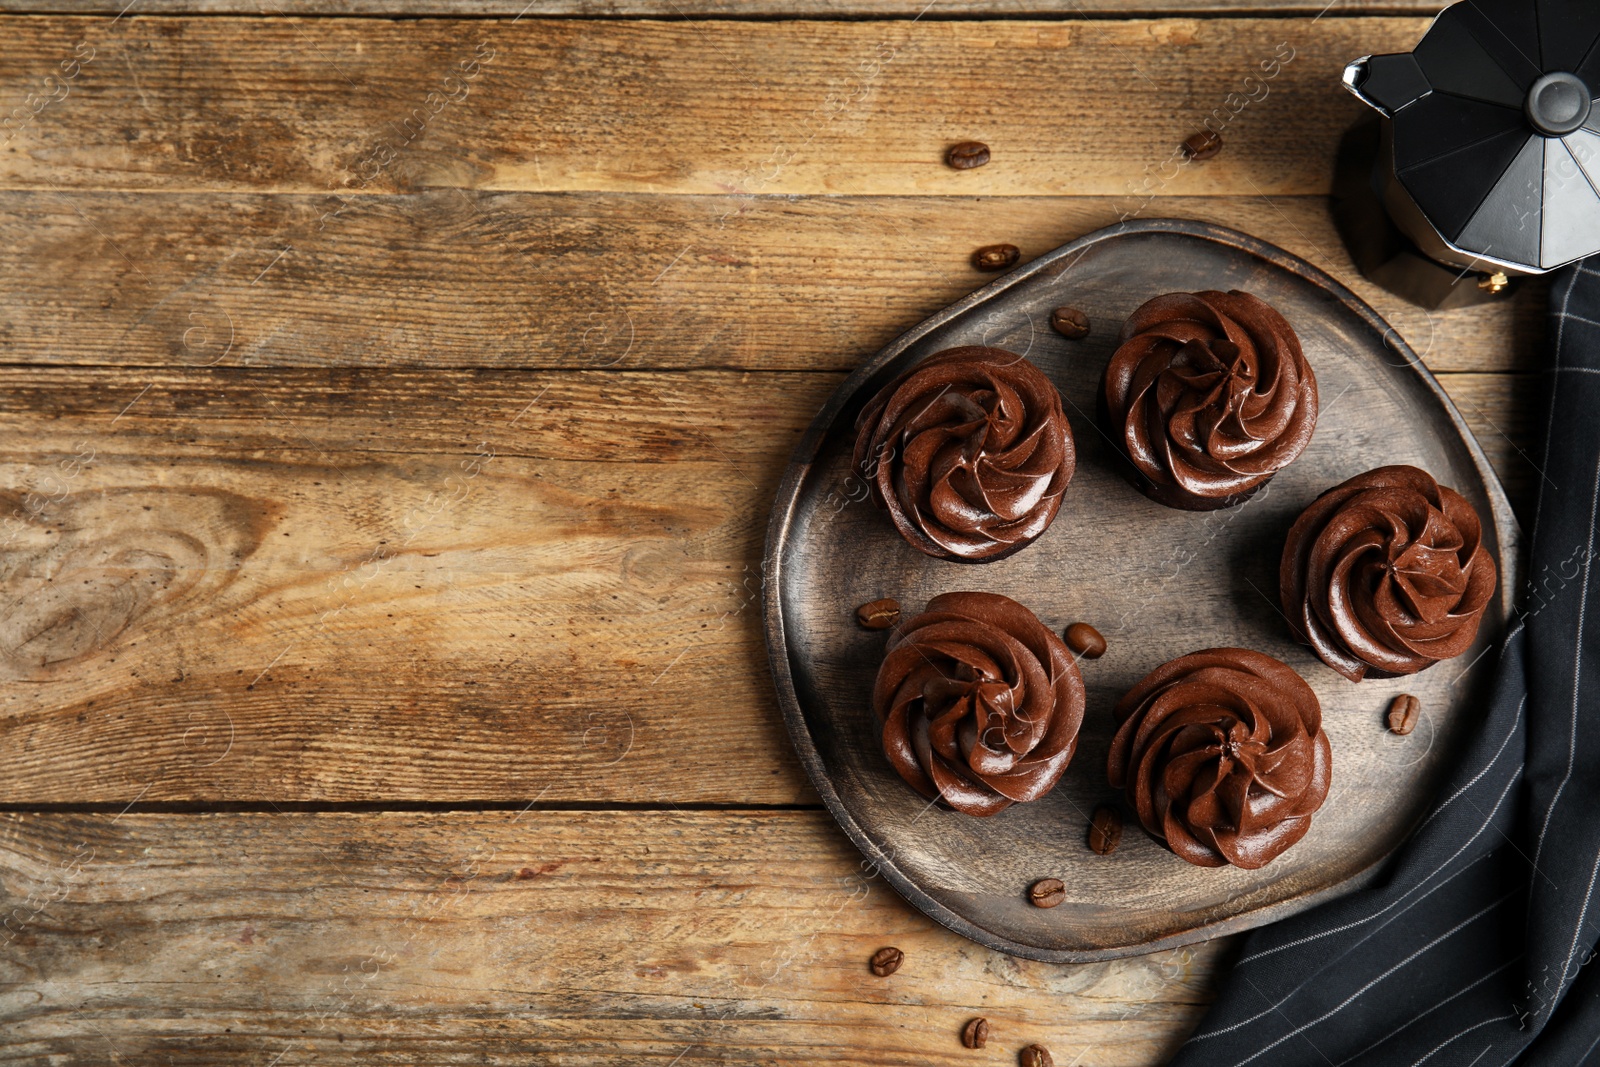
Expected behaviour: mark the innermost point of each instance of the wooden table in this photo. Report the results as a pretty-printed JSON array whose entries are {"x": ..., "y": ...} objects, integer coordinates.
[{"x": 392, "y": 407}]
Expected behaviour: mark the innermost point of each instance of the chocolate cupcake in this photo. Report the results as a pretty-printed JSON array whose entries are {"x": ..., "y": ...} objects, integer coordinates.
[
  {"x": 969, "y": 451},
  {"x": 1208, "y": 395},
  {"x": 1222, "y": 755},
  {"x": 1386, "y": 574},
  {"x": 980, "y": 703}
]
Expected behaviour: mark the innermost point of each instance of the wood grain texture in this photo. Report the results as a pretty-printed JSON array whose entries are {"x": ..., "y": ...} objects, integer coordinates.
[
  {"x": 447, "y": 278},
  {"x": 234, "y": 584},
  {"x": 732, "y": 108},
  {"x": 644, "y": 937},
  {"x": 732, "y": 9},
  {"x": 456, "y": 608},
  {"x": 1506, "y": 413}
]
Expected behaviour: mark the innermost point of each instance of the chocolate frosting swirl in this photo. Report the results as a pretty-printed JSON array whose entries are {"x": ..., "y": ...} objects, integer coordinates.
[
  {"x": 1386, "y": 574},
  {"x": 980, "y": 703},
  {"x": 969, "y": 451},
  {"x": 1209, "y": 396},
  {"x": 1223, "y": 757}
]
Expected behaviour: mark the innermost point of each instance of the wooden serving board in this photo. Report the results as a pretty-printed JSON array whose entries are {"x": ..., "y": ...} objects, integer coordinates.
[{"x": 1157, "y": 582}]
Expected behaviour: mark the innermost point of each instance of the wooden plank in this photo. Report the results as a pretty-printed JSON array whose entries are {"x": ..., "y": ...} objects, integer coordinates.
[
  {"x": 316, "y": 585},
  {"x": 598, "y": 937},
  {"x": 1089, "y": 107},
  {"x": 1507, "y": 415},
  {"x": 733, "y": 9},
  {"x": 452, "y": 279},
  {"x": 273, "y": 585}
]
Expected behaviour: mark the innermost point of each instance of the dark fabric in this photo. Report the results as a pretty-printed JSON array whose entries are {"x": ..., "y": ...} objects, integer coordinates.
[{"x": 1474, "y": 948}]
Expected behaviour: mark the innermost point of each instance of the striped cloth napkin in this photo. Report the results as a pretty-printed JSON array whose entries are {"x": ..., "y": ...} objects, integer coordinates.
[{"x": 1476, "y": 948}]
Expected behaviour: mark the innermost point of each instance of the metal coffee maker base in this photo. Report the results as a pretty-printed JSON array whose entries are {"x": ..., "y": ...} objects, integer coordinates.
[{"x": 1385, "y": 255}]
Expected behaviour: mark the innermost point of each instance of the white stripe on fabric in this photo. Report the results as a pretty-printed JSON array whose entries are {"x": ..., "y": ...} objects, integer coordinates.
[
  {"x": 1464, "y": 1033},
  {"x": 1245, "y": 1022},
  {"x": 1487, "y": 767},
  {"x": 1463, "y": 991},
  {"x": 1550, "y": 420},
  {"x": 1577, "y": 670},
  {"x": 1368, "y": 918},
  {"x": 1583, "y": 918},
  {"x": 1347, "y": 1001}
]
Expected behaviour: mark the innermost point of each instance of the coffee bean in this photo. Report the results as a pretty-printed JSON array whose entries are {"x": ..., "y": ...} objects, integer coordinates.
[
  {"x": 1035, "y": 1056},
  {"x": 968, "y": 155},
  {"x": 1085, "y": 640},
  {"x": 976, "y": 1034},
  {"x": 886, "y": 961},
  {"x": 1070, "y": 322},
  {"x": 1202, "y": 146},
  {"x": 1105, "y": 829},
  {"x": 1403, "y": 714},
  {"x": 1047, "y": 893},
  {"x": 995, "y": 257},
  {"x": 879, "y": 615}
]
